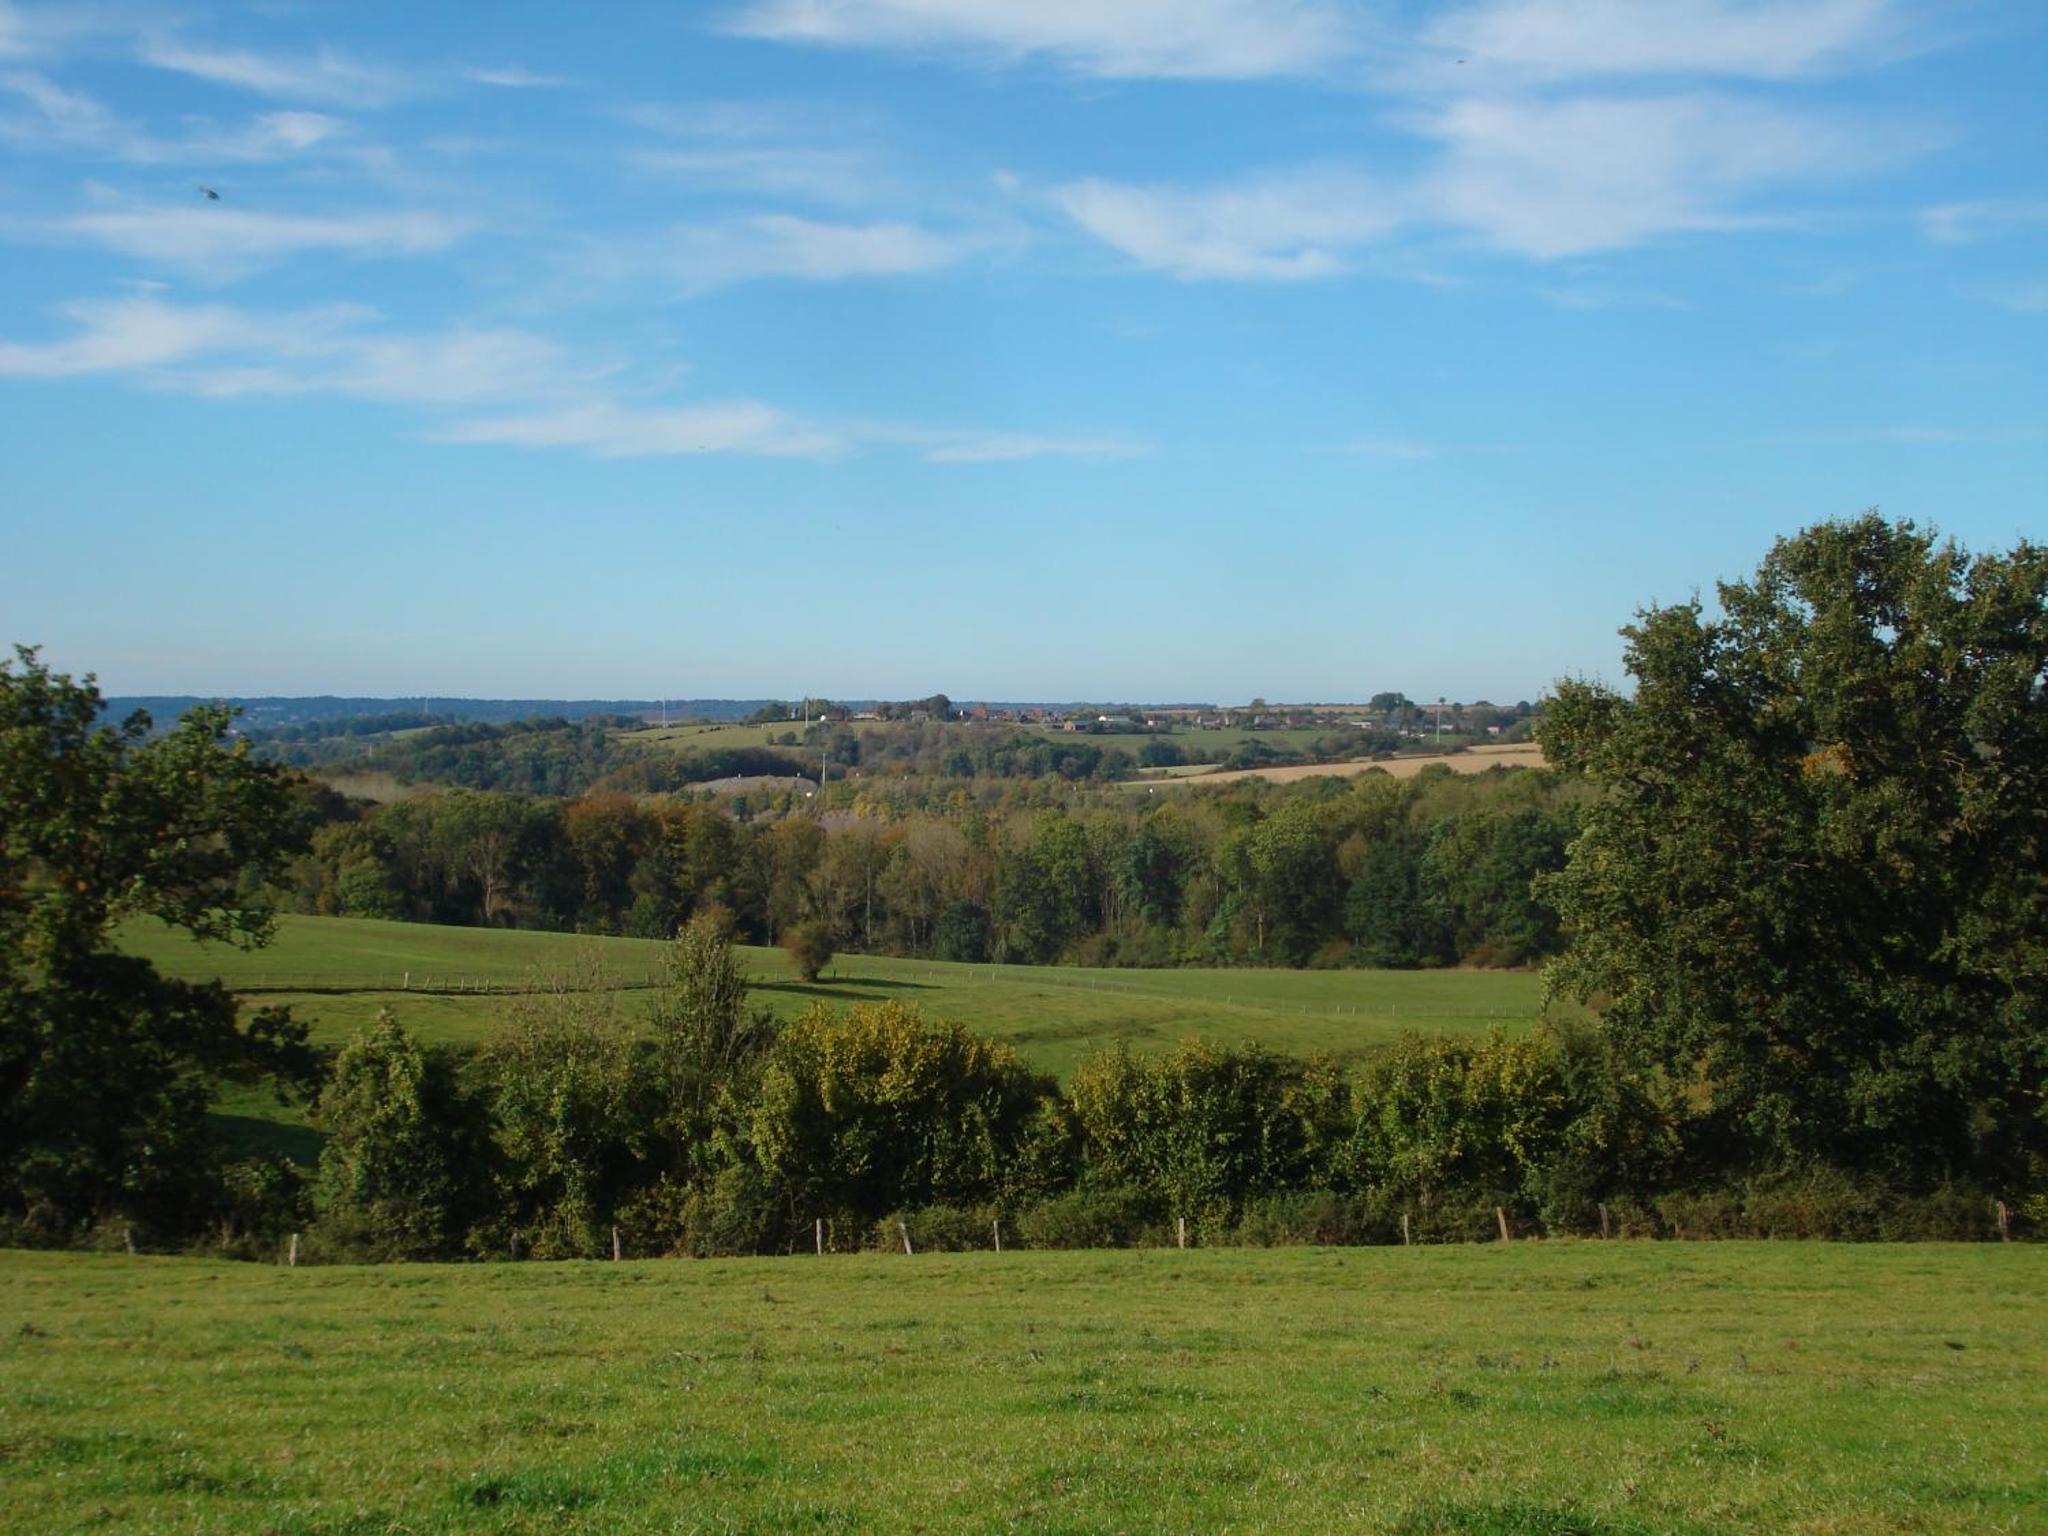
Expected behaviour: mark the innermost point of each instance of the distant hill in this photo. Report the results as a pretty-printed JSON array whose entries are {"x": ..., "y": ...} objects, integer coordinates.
[{"x": 271, "y": 712}]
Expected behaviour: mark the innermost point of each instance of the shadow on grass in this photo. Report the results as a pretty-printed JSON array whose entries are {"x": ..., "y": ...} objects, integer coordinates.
[
  {"x": 864, "y": 989},
  {"x": 251, "y": 1136}
]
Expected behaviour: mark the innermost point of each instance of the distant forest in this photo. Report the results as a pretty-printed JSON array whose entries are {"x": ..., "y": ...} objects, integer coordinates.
[{"x": 1433, "y": 870}]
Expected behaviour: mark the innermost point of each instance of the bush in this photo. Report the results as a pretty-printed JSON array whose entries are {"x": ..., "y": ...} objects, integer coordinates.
[
  {"x": 1320, "y": 1217},
  {"x": 809, "y": 947},
  {"x": 1094, "y": 1218},
  {"x": 938, "y": 1229}
]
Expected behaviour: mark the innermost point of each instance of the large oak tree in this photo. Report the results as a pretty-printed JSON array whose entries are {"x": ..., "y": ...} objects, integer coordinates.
[{"x": 1813, "y": 887}]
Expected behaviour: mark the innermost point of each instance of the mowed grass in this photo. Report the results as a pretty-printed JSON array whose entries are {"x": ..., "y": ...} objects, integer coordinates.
[
  {"x": 336, "y": 972},
  {"x": 1560, "y": 1389}
]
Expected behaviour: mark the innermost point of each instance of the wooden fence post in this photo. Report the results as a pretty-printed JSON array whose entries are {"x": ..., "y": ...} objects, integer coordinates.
[
  {"x": 1500, "y": 1215},
  {"x": 900, "y": 1227},
  {"x": 2004, "y": 1223},
  {"x": 128, "y": 1238},
  {"x": 818, "y": 1232},
  {"x": 1180, "y": 1227},
  {"x": 615, "y": 1245},
  {"x": 998, "y": 1224},
  {"x": 1404, "y": 1229},
  {"x": 291, "y": 1259},
  {"x": 1604, "y": 1230},
  {"x": 515, "y": 1245}
]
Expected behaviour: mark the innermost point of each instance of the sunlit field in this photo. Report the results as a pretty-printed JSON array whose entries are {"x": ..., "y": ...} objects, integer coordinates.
[
  {"x": 452, "y": 985},
  {"x": 1562, "y": 1389}
]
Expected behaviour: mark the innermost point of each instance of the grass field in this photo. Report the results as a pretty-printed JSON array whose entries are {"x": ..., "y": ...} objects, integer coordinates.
[
  {"x": 456, "y": 986},
  {"x": 1560, "y": 1389},
  {"x": 336, "y": 972}
]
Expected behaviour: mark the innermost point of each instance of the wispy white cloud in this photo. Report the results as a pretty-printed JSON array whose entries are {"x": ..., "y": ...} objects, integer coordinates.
[
  {"x": 1965, "y": 223},
  {"x": 1920, "y": 436},
  {"x": 1535, "y": 178},
  {"x": 1391, "y": 449},
  {"x": 216, "y": 241},
  {"x": 58, "y": 118},
  {"x": 816, "y": 175},
  {"x": 1499, "y": 42},
  {"x": 1281, "y": 228},
  {"x": 1191, "y": 39},
  {"x": 1561, "y": 178},
  {"x": 511, "y": 77},
  {"x": 324, "y": 76},
  {"x": 123, "y": 336},
  {"x": 611, "y": 431},
  {"x": 2022, "y": 298},
  {"x": 785, "y": 246},
  {"x": 942, "y": 446},
  {"x": 1590, "y": 296},
  {"x": 538, "y": 395},
  {"x": 222, "y": 350}
]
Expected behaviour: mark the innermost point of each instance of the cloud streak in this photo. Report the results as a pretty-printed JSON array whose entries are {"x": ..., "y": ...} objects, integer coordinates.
[
  {"x": 217, "y": 242},
  {"x": 324, "y": 76},
  {"x": 1538, "y": 179},
  {"x": 1175, "y": 39},
  {"x": 543, "y": 398}
]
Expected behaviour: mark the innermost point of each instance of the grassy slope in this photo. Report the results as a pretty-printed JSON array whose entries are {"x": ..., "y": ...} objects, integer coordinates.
[
  {"x": 338, "y": 971},
  {"x": 1554, "y": 1389}
]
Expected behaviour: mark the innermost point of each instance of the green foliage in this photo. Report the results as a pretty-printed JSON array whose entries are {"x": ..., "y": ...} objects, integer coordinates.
[
  {"x": 404, "y": 1169},
  {"x": 963, "y": 933},
  {"x": 1547, "y": 1125},
  {"x": 706, "y": 1053},
  {"x": 107, "y": 1069},
  {"x": 877, "y": 1109},
  {"x": 573, "y": 1105},
  {"x": 1204, "y": 1127},
  {"x": 1814, "y": 886}
]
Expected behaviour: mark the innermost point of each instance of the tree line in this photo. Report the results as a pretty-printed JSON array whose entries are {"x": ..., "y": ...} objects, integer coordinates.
[{"x": 1433, "y": 870}]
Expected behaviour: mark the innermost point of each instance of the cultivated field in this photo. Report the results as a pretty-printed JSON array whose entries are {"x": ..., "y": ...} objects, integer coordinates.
[
  {"x": 1472, "y": 760},
  {"x": 1562, "y": 1389}
]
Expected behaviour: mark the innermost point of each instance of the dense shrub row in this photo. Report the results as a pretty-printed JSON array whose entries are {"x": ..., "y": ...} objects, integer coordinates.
[{"x": 716, "y": 1133}]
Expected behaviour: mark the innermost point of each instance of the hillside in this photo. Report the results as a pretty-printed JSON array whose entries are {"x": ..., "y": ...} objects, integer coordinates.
[{"x": 452, "y": 985}]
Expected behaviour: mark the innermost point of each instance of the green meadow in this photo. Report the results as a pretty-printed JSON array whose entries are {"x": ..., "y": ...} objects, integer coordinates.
[
  {"x": 453, "y": 985},
  {"x": 456, "y": 986},
  {"x": 1552, "y": 1389}
]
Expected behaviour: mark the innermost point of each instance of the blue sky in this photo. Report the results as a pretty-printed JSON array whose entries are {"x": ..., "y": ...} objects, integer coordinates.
[{"x": 1016, "y": 348}]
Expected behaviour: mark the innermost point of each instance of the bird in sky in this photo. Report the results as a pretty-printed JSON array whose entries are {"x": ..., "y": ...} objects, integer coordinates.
[{"x": 211, "y": 195}]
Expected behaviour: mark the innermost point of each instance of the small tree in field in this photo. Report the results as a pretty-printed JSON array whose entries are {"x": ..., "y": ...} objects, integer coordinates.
[{"x": 809, "y": 947}]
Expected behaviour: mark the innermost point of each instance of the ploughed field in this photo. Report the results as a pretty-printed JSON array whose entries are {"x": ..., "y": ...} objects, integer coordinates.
[
  {"x": 1555, "y": 1389},
  {"x": 455, "y": 985}
]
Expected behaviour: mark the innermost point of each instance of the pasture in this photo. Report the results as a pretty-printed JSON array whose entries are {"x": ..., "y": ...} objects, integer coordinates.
[
  {"x": 456, "y": 986},
  {"x": 1540, "y": 1389},
  {"x": 453, "y": 984}
]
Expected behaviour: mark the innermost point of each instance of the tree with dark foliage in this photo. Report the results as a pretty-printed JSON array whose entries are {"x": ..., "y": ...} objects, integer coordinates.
[
  {"x": 1814, "y": 887},
  {"x": 107, "y": 1069}
]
